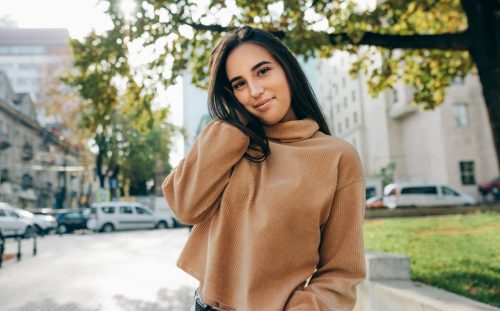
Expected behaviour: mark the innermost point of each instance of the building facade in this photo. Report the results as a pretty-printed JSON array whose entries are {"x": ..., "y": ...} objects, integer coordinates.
[
  {"x": 32, "y": 59},
  {"x": 452, "y": 144},
  {"x": 38, "y": 169}
]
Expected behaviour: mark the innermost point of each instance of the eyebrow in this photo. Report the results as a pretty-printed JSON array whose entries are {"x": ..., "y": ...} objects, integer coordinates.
[{"x": 253, "y": 69}]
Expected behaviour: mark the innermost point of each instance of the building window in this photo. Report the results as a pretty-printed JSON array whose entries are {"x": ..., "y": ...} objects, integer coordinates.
[
  {"x": 461, "y": 115},
  {"x": 338, "y": 108},
  {"x": 347, "y": 123},
  {"x": 395, "y": 97},
  {"x": 22, "y": 49},
  {"x": 335, "y": 88},
  {"x": 5, "y": 66},
  {"x": 355, "y": 117},
  {"x": 353, "y": 96},
  {"x": 343, "y": 81},
  {"x": 467, "y": 172},
  {"x": 458, "y": 81},
  {"x": 339, "y": 126},
  {"x": 345, "y": 102},
  {"x": 26, "y": 66}
]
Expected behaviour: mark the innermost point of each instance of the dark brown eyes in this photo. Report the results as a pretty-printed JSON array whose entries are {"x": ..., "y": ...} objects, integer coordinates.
[{"x": 261, "y": 72}]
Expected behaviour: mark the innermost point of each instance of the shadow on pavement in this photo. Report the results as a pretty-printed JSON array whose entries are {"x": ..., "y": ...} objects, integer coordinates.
[
  {"x": 166, "y": 300},
  {"x": 50, "y": 304}
]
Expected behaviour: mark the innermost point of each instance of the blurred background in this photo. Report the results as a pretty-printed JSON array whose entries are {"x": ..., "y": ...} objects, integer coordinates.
[{"x": 99, "y": 100}]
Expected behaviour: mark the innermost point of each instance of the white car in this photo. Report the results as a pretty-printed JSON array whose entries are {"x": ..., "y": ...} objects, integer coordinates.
[
  {"x": 43, "y": 223},
  {"x": 12, "y": 224},
  {"x": 424, "y": 194},
  {"x": 111, "y": 216}
]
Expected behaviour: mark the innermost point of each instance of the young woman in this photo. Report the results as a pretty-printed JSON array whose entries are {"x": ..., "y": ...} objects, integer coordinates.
[{"x": 277, "y": 203}]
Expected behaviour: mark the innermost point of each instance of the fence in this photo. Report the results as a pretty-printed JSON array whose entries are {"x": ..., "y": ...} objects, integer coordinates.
[{"x": 18, "y": 240}]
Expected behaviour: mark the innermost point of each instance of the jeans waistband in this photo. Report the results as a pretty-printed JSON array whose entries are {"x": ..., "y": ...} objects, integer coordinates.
[{"x": 201, "y": 306}]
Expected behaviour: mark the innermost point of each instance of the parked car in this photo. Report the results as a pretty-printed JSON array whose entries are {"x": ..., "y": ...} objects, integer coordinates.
[
  {"x": 68, "y": 222},
  {"x": 491, "y": 187},
  {"x": 424, "y": 194},
  {"x": 375, "y": 202},
  {"x": 162, "y": 208},
  {"x": 43, "y": 224},
  {"x": 111, "y": 216},
  {"x": 12, "y": 224}
]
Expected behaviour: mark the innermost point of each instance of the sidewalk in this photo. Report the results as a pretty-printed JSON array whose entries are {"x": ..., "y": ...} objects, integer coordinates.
[{"x": 120, "y": 271}]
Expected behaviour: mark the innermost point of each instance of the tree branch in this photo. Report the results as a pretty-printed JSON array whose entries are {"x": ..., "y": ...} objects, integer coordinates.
[
  {"x": 218, "y": 28},
  {"x": 455, "y": 41}
]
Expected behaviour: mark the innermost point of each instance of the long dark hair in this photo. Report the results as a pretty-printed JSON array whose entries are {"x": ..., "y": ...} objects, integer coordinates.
[{"x": 222, "y": 103}]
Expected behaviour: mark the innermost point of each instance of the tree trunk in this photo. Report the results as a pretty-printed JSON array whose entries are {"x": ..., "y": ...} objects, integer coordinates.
[
  {"x": 484, "y": 22},
  {"x": 101, "y": 144}
]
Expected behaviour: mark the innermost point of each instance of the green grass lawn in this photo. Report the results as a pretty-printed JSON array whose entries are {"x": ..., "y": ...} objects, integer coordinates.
[{"x": 459, "y": 253}]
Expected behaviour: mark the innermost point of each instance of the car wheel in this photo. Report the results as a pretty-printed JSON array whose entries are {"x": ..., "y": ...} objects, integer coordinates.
[
  {"x": 62, "y": 229},
  {"x": 176, "y": 224},
  {"x": 29, "y": 233},
  {"x": 108, "y": 228},
  {"x": 161, "y": 225},
  {"x": 39, "y": 231}
]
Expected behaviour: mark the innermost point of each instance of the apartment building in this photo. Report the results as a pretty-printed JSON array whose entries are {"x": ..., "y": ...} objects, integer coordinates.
[
  {"x": 452, "y": 144},
  {"x": 37, "y": 169},
  {"x": 32, "y": 58}
]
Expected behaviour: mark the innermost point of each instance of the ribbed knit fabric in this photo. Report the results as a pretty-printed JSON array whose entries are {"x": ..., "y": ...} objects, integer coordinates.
[{"x": 261, "y": 230}]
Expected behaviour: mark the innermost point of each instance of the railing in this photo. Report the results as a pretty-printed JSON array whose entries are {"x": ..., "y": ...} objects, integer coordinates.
[{"x": 18, "y": 254}]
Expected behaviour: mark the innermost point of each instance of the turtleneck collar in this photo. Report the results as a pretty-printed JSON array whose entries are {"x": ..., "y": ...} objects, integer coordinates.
[{"x": 291, "y": 131}]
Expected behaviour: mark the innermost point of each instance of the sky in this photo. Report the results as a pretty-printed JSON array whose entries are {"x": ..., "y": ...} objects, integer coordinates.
[{"x": 80, "y": 17}]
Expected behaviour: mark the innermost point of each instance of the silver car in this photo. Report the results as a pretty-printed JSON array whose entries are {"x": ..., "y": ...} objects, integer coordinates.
[{"x": 12, "y": 224}]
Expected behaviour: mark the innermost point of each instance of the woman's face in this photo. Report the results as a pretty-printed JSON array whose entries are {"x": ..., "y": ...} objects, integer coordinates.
[{"x": 260, "y": 84}]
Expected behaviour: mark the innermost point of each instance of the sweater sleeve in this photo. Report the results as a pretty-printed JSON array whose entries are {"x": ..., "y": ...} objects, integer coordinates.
[
  {"x": 193, "y": 188},
  {"x": 341, "y": 263}
]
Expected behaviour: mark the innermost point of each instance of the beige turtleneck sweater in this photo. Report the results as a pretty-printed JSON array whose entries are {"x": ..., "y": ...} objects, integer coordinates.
[{"x": 262, "y": 229}]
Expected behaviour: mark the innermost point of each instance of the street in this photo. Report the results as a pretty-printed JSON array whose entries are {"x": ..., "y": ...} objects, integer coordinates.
[{"x": 133, "y": 270}]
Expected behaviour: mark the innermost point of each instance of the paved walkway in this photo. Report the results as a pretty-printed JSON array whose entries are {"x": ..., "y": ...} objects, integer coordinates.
[{"x": 132, "y": 270}]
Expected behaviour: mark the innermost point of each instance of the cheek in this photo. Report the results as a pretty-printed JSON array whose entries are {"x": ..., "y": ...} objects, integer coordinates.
[
  {"x": 243, "y": 99},
  {"x": 284, "y": 90},
  {"x": 240, "y": 96}
]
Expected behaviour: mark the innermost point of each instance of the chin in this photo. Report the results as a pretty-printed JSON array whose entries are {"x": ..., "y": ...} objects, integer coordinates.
[
  {"x": 271, "y": 117},
  {"x": 271, "y": 121}
]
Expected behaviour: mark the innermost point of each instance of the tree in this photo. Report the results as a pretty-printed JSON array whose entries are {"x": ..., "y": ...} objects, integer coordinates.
[
  {"x": 115, "y": 109},
  {"x": 426, "y": 43},
  {"x": 143, "y": 154}
]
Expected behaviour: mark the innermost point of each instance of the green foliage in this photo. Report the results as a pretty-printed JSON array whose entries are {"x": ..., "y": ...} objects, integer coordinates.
[
  {"x": 127, "y": 133},
  {"x": 184, "y": 32},
  {"x": 143, "y": 152},
  {"x": 459, "y": 253}
]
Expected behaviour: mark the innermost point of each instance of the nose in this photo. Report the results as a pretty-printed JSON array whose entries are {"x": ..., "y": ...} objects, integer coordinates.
[{"x": 256, "y": 89}]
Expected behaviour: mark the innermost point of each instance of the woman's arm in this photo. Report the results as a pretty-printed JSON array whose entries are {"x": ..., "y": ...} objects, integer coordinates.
[
  {"x": 342, "y": 262},
  {"x": 193, "y": 188}
]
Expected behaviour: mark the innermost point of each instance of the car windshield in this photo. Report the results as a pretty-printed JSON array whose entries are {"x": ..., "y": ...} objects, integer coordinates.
[{"x": 25, "y": 214}]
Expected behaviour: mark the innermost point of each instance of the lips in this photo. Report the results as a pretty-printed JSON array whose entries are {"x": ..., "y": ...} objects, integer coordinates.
[{"x": 262, "y": 102}]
